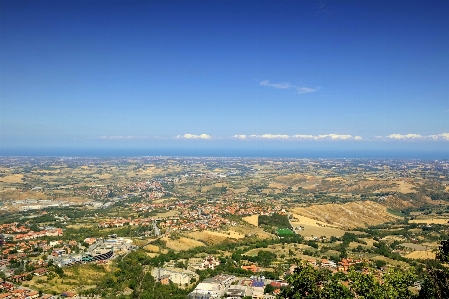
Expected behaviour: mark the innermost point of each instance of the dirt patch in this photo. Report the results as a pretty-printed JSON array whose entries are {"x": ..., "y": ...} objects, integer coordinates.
[{"x": 253, "y": 219}]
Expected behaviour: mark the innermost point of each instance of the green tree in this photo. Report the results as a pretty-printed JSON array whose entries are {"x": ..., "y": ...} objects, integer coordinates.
[
  {"x": 304, "y": 283},
  {"x": 365, "y": 285},
  {"x": 269, "y": 289},
  {"x": 334, "y": 289},
  {"x": 443, "y": 252},
  {"x": 436, "y": 281},
  {"x": 396, "y": 284}
]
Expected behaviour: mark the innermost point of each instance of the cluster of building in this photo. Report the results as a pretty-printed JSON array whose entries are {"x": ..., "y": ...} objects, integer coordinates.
[
  {"x": 119, "y": 222},
  {"x": 193, "y": 216},
  {"x": 99, "y": 251},
  {"x": 342, "y": 266},
  {"x": 24, "y": 236},
  {"x": 147, "y": 189},
  {"x": 10, "y": 291},
  {"x": 231, "y": 287}
]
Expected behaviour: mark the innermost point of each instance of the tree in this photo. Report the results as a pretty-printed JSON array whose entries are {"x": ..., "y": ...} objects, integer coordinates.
[
  {"x": 335, "y": 289},
  {"x": 269, "y": 289},
  {"x": 397, "y": 283},
  {"x": 365, "y": 285},
  {"x": 443, "y": 252},
  {"x": 436, "y": 282},
  {"x": 303, "y": 283}
]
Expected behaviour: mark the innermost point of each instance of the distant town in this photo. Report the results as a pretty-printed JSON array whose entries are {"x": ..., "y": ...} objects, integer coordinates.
[{"x": 215, "y": 227}]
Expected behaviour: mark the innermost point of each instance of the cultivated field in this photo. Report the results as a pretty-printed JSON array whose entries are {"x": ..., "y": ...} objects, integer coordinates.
[
  {"x": 431, "y": 220},
  {"x": 182, "y": 243},
  {"x": 349, "y": 215},
  {"x": 421, "y": 254},
  {"x": 253, "y": 219},
  {"x": 15, "y": 178}
]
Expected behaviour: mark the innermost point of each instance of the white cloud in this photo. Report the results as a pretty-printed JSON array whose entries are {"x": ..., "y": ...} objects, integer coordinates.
[
  {"x": 286, "y": 85},
  {"x": 271, "y": 136},
  {"x": 308, "y": 137},
  {"x": 283, "y": 85},
  {"x": 192, "y": 136},
  {"x": 335, "y": 137},
  {"x": 406, "y": 136},
  {"x": 303, "y": 136},
  {"x": 442, "y": 136},
  {"x": 239, "y": 136},
  {"x": 306, "y": 89}
]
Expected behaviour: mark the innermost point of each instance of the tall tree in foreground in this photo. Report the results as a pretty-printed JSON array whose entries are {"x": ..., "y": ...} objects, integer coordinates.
[{"x": 436, "y": 283}]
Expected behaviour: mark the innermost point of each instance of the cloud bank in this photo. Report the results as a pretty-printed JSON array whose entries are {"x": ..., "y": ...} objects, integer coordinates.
[
  {"x": 192, "y": 136},
  {"x": 300, "y": 137},
  {"x": 442, "y": 136}
]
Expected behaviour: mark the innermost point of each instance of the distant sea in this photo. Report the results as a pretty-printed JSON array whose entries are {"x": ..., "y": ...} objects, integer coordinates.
[{"x": 249, "y": 153}]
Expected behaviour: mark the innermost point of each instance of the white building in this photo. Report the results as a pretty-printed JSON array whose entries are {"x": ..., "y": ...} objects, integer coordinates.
[{"x": 177, "y": 275}]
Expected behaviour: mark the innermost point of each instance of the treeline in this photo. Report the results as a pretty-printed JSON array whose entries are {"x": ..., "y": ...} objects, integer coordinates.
[{"x": 275, "y": 220}]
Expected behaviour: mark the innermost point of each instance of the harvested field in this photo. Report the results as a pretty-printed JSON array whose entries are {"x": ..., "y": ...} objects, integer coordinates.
[
  {"x": 211, "y": 237},
  {"x": 413, "y": 246},
  {"x": 240, "y": 190},
  {"x": 251, "y": 231},
  {"x": 15, "y": 178},
  {"x": 431, "y": 221},
  {"x": 421, "y": 254},
  {"x": 318, "y": 231},
  {"x": 151, "y": 248},
  {"x": 400, "y": 186},
  {"x": 167, "y": 214},
  {"x": 349, "y": 215},
  {"x": 334, "y": 179},
  {"x": 152, "y": 254},
  {"x": 300, "y": 220},
  {"x": 253, "y": 219},
  {"x": 183, "y": 244},
  {"x": 228, "y": 234},
  {"x": 103, "y": 176},
  {"x": 277, "y": 186}
]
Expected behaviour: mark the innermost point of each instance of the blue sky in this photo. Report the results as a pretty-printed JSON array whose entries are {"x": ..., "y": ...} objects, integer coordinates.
[{"x": 199, "y": 74}]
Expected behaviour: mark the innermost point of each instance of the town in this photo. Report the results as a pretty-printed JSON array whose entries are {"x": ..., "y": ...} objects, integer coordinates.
[{"x": 213, "y": 227}]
